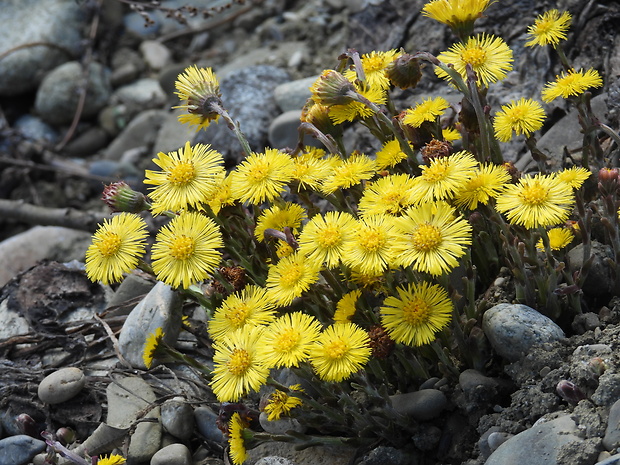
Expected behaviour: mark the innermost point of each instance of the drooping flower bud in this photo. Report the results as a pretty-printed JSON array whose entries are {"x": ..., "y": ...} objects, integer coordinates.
[
  {"x": 332, "y": 88},
  {"x": 404, "y": 71},
  {"x": 120, "y": 197}
]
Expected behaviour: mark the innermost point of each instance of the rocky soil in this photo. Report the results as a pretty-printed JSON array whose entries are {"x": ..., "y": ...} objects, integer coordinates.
[{"x": 86, "y": 90}]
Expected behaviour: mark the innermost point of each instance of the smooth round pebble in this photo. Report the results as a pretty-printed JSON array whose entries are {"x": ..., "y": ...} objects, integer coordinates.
[
  {"x": 174, "y": 454},
  {"x": 177, "y": 418},
  {"x": 61, "y": 385},
  {"x": 513, "y": 329},
  {"x": 280, "y": 426},
  {"x": 421, "y": 405}
]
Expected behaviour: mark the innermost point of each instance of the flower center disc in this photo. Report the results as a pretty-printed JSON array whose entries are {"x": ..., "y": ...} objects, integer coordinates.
[
  {"x": 329, "y": 237},
  {"x": 182, "y": 173},
  {"x": 534, "y": 195},
  {"x": 474, "y": 56},
  {"x": 182, "y": 248},
  {"x": 426, "y": 237},
  {"x": 415, "y": 311},
  {"x": 239, "y": 362},
  {"x": 372, "y": 240},
  {"x": 291, "y": 276},
  {"x": 238, "y": 314},
  {"x": 336, "y": 349},
  {"x": 287, "y": 340},
  {"x": 109, "y": 244},
  {"x": 435, "y": 172}
]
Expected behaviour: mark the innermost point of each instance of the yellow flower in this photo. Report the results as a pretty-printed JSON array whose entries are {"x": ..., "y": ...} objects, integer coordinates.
[
  {"x": 523, "y": 117},
  {"x": 488, "y": 55},
  {"x": 443, "y": 177},
  {"x": 310, "y": 170},
  {"x": 354, "y": 109},
  {"x": 279, "y": 217},
  {"x": 417, "y": 314},
  {"x": 151, "y": 345},
  {"x": 450, "y": 134},
  {"x": 345, "y": 308},
  {"x": 573, "y": 176},
  {"x": 374, "y": 64},
  {"x": 355, "y": 169},
  {"x": 558, "y": 239},
  {"x": 454, "y": 13},
  {"x": 390, "y": 155},
  {"x": 369, "y": 250},
  {"x": 199, "y": 88},
  {"x": 572, "y": 83},
  {"x": 185, "y": 250},
  {"x": 189, "y": 176},
  {"x": 549, "y": 28},
  {"x": 428, "y": 110},
  {"x": 236, "y": 439},
  {"x": 487, "y": 183},
  {"x": 284, "y": 249},
  {"x": 248, "y": 307},
  {"x": 281, "y": 403},
  {"x": 390, "y": 195},
  {"x": 288, "y": 339},
  {"x": 113, "y": 459},
  {"x": 290, "y": 278},
  {"x": 239, "y": 364},
  {"x": 323, "y": 238},
  {"x": 262, "y": 176},
  {"x": 430, "y": 238},
  {"x": 340, "y": 351},
  {"x": 536, "y": 201},
  {"x": 222, "y": 196},
  {"x": 117, "y": 246}
]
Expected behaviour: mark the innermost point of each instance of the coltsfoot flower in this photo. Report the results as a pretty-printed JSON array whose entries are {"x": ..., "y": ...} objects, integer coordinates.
[
  {"x": 455, "y": 13},
  {"x": 290, "y": 278},
  {"x": 524, "y": 116},
  {"x": 558, "y": 239},
  {"x": 279, "y": 217},
  {"x": 390, "y": 155},
  {"x": 324, "y": 237},
  {"x": 374, "y": 65},
  {"x": 443, "y": 177},
  {"x": 281, "y": 403},
  {"x": 112, "y": 459},
  {"x": 346, "y": 307},
  {"x": 389, "y": 195},
  {"x": 573, "y": 83},
  {"x": 150, "y": 347},
  {"x": 574, "y": 176},
  {"x": 200, "y": 90},
  {"x": 549, "y": 28},
  {"x": 355, "y": 169},
  {"x": 427, "y": 110},
  {"x": 370, "y": 248},
  {"x": 289, "y": 338},
  {"x": 486, "y": 183}
]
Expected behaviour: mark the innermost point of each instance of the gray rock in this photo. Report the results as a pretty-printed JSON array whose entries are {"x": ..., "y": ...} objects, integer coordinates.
[
  {"x": 140, "y": 132},
  {"x": 205, "y": 421},
  {"x": 497, "y": 438},
  {"x": 513, "y": 329},
  {"x": 421, "y": 405},
  {"x": 159, "y": 309},
  {"x": 35, "y": 129},
  {"x": 283, "y": 130},
  {"x": 248, "y": 97},
  {"x": 57, "y": 22},
  {"x": 177, "y": 418},
  {"x": 172, "y": 134},
  {"x": 294, "y": 94},
  {"x": 608, "y": 390},
  {"x": 87, "y": 143},
  {"x": 20, "y": 449},
  {"x": 612, "y": 433},
  {"x": 128, "y": 400},
  {"x": 156, "y": 55},
  {"x": 274, "y": 460},
  {"x": 174, "y": 454},
  {"x": 538, "y": 445},
  {"x": 132, "y": 287},
  {"x": 282, "y": 425},
  {"x": 599, "y": 279},
  {"x": 142, "y": 94},
  {"x": 470, "y": 380},
  {"x": 13, "y": 324},
  {"x": 317, "y": 455},
  {"x": 613, "y": 460},
  {"x": 58, "y": 95},
  {"x": 61, "y": 385},
  {"x": 382, "y": 455},
  {"x": 24, "y": 250}
]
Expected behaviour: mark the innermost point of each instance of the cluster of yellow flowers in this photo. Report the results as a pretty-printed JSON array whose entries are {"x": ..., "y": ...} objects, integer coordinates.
[{"x": 381, "y": 252}]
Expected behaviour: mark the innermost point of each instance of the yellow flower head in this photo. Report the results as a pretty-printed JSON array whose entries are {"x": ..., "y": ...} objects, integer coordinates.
[
  {"x": 288, "y": 339},
  {"x": 390, "y": 195},
  {"x": 113, "y": 459},
  {"x": 549, "y": 28},
  {"x": 573, "y": 83},
  {"x": 117, "y": 246},
  {"x": 150, "y": 347},
  {"x": 355, "y": 169},
  {"x": 188, "y": 177},
  {"x": 354, "y": 109},
  {"x": 450, "y": 134},
  {"x": 310, "y": 170},
  {"x": 345, "y": 308},
  {"x": 444, "y": 176},
  {"x": 523, "y": 117},
  {"x": 248, "y": 307},
  {"x": 573, "y": 176},
  {"x": 428, "y": 110},
  {"x": 236, "y": 439},
  {"x": 374, "y": 64},
  {"x": 262, "y": 176},
  {"x": 239, "y": 364},
  {"x": 222, "y": 196},
  {"x": 323, "y": 238},
  {"x": 279, "y": 217},
  {"x": 340, "y": 351},
  {"x": 281, "y": 403},
  {"x": 199, "y": 89},
  {"x": 430, "y": 238},
  {"x": 488, "y": 55},
  {"x": 369, "y": 250},
  {"x": 290, "y": 278},
  {"x": 185, "y": 250},
  {"x": 455, "y": 13},
  {"x": 390, "y": 155},
  {"x": 417, "y": 314},
  {"x": 487, "y": 182},
  {"x": 558, "y": 239},
  {"x": 536, "y": 201}
]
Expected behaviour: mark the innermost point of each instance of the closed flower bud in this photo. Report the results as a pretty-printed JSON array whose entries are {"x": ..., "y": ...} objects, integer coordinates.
[
  {"x": 436, "y": 149},
  {"x": 569, "y": 392},
  {"x": 606, "y": 175},
  {"x": 404, "y": 72},
  {"x": 65, "y": 435},
  {"x": 120, "y": 197},
  {"x": 332, "y": 88}
]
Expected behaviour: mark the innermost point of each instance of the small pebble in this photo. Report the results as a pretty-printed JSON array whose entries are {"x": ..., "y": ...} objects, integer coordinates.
[
  {"x": 19, "y": 450},
  {"x": 177, "y": 418},
  {"x": 421, "y": 405},
  {"x": 174, "y": 454},
  {"x": 205, "y": 421},
  {"x": 61, "y": 385}
]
